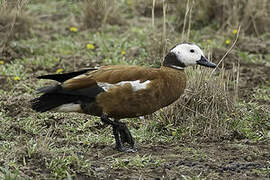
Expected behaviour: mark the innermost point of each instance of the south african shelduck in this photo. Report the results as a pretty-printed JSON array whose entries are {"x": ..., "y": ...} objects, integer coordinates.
[{"x": 121, "y": 91}]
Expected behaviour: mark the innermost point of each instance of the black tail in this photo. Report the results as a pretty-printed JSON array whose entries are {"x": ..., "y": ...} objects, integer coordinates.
[
  {"x": 54, "y": 96},
  {"x": 49, "y": 101},
  {"x": 65, "y": 76}
]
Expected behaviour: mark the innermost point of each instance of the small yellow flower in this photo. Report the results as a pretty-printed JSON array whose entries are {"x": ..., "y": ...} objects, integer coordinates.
[
  {"x": 16, "y": 78},
  {"x": 2, "y": 62},
  {"x": 123, "y": 52},
  {"x": 228, "y": 42},
  {"x": 208, "y": 41},
  {"x": 90, "y": 46},
  {"x": 58, "y": 71},
  {"x": 73, "y": 29},
  {"x": 235, "y": 31},
  {"x": 173, "y": 133},
  {"x": 128, "y": 2},
  {"x": 86, "y": 142}
]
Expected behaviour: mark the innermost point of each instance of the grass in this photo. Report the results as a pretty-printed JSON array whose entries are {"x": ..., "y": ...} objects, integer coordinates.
[{"x": 216, "y": 108}]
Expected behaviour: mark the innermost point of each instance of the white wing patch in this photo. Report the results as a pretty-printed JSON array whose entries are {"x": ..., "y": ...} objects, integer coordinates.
[
  {"x": 136, "y": 85},
  {"x": 79, "y": 76},
  {"x": 71, "y": 107}
]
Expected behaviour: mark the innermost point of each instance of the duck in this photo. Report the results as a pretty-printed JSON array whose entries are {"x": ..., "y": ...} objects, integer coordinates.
[{"x": 115, "y": 92}]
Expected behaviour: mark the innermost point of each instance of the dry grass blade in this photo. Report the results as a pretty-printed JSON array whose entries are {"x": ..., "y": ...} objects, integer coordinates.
[
  {"x": 189, "y": 19},
  {"x": 229, "y": 50},
  {"x": 164, "y": 28},
  {"x": 185, "y": 20},
  {"x": 153, "y": 13}
]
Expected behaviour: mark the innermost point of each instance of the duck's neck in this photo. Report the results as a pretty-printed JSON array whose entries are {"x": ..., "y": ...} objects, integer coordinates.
[{"x": 171, "y": 61}]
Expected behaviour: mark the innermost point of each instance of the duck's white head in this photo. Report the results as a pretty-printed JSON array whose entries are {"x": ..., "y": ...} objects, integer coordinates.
[{"x": 186, "y": 54}]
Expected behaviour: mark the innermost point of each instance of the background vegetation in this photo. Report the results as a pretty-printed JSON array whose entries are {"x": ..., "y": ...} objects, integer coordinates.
[{"x": 218, "y": 129}]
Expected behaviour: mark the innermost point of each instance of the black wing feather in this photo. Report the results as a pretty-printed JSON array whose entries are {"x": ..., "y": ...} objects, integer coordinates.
[{"x": 65, "y": 76}]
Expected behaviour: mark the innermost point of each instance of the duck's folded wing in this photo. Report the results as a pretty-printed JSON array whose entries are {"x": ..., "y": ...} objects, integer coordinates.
[
  {"x": 65, "y": 76},
  {"x": 120, "y": 73},
  {"x": 109, "y": 76}
]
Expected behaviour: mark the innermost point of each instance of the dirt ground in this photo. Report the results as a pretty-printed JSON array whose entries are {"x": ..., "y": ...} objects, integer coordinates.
[{"x": 238, "y": 160}]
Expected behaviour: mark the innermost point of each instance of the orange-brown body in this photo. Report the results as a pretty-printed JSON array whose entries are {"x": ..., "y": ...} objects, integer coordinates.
[{"x": 166, "y": 85}]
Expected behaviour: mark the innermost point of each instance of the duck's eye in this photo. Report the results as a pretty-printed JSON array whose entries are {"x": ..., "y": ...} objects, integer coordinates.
[{"x": 192, "y": 51}]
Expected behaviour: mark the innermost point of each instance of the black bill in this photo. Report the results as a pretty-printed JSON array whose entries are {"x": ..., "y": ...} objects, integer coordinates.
[{"x": 204, "y": 62}]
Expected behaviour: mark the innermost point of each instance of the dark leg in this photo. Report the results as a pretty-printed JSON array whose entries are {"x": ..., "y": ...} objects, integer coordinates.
[
  {"x": 118, "y": 143},
  {"x": 119, "y": 128},
  {"x": 104, "y": 118},
  {"x": 125, "y": 134}
]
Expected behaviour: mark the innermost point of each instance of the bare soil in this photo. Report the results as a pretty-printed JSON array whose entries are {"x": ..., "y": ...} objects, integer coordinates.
[{"x": 212, "y": 160}]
